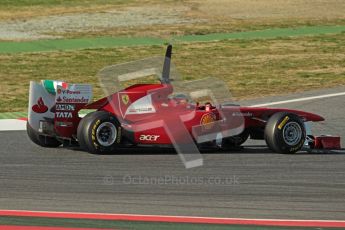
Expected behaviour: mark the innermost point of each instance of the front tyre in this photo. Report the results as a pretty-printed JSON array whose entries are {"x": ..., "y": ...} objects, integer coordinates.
[
  {"x": 285, "y": 133},
  {"x": 99, "y": 132}
]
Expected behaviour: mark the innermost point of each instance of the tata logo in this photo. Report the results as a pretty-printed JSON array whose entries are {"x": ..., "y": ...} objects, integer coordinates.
[
  {"x": 149, "y": 137},
  {"x": 63, "y": 115}
]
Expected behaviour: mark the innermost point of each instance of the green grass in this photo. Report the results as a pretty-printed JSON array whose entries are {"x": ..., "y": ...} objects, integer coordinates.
[
  {"x": 251, "y": 68},
  {"x": 75, "y": 44},
  {"x": 13, "y": 5},
  {"x": 267, "y": 34},
  {"x": 109, "y": 42},
  {"x": 13, "y": 115}
]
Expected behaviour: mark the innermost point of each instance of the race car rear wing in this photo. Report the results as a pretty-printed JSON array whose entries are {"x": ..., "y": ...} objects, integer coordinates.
[{"x": 54, "y": 106}]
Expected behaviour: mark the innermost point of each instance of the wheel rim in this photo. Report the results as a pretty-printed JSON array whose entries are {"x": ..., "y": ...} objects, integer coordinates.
[
  {"x": 292, "y": 133},
  {"x": 106, "y": 134}
]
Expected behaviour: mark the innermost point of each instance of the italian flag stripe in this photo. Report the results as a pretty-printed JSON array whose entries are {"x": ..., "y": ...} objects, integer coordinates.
[{"x": 51, "y": 85}]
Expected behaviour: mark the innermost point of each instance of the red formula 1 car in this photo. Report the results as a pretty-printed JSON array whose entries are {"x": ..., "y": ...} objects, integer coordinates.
[{"x": 157, "y": 115}]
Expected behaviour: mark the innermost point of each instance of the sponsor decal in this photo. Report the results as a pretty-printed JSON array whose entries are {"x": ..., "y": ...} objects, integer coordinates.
[
  {"x": 40, "y": 107},
  {"x": 293, "y": 149},
  {"x": 207, "y": 120},
  {"x": 65, "y": 107},
  {"x": 140, "y": 106},
  {"x": 72, "y": 100},
  {"x": 125, "y": 99},
  {"x": 64, "y": 124},
  {"x": 240, "y": 114},
  {"x": 93, "y": 134},
  {"x": 140, "y": 110},
  {"x": 67, "y": 91},
  {"x": 80, "y": 94},
  {"x": 281, "y": 125},
  {"x": 149, "y": 137},
  {"x": 63, "y": 115}
]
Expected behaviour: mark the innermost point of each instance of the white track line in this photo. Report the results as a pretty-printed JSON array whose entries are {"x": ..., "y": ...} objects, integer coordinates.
[
  {"x": 12, "y": 125},
  {"x": 299, "y": 99}
]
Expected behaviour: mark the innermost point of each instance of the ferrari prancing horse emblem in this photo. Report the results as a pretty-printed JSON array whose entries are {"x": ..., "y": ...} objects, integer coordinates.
[{"x": 125, "y": 99}]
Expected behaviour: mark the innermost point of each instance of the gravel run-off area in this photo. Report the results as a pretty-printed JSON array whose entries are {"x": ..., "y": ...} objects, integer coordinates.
[{"x": 46, "y": 27}]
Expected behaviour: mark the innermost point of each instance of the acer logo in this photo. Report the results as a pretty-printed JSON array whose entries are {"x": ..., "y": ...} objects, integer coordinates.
[
  {"x": 149, "y": 137},
  {"x": 63, "y": 115}
]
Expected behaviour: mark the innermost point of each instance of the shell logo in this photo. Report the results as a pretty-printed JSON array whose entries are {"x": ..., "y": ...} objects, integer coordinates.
[{"x": 207, "y": 120}]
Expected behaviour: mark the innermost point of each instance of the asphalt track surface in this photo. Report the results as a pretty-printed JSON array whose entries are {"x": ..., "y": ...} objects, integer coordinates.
[{"x": 248, "y": 183}]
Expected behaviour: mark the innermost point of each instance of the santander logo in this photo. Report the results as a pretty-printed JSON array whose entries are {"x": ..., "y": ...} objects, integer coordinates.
[{"x": 40, "y": 107}]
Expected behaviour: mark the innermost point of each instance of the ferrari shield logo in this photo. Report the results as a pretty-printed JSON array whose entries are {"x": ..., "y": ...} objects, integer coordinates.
[{"x": 125, "y": 99}]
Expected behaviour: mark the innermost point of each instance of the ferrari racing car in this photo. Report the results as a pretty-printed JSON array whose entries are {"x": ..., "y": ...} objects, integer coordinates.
[{"x": 153, "y": 114}]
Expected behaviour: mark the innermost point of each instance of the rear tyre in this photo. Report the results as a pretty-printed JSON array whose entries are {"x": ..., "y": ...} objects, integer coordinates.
[
  {"x": 285, "y": 133},
  {"x": 41, "y": 140},
  {"x": 99, "y": 132}
]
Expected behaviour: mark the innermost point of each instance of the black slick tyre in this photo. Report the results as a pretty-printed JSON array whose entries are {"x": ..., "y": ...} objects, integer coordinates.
[
  {"x": 99, "y": 132},
  {"x": 285, "y": 133}
]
